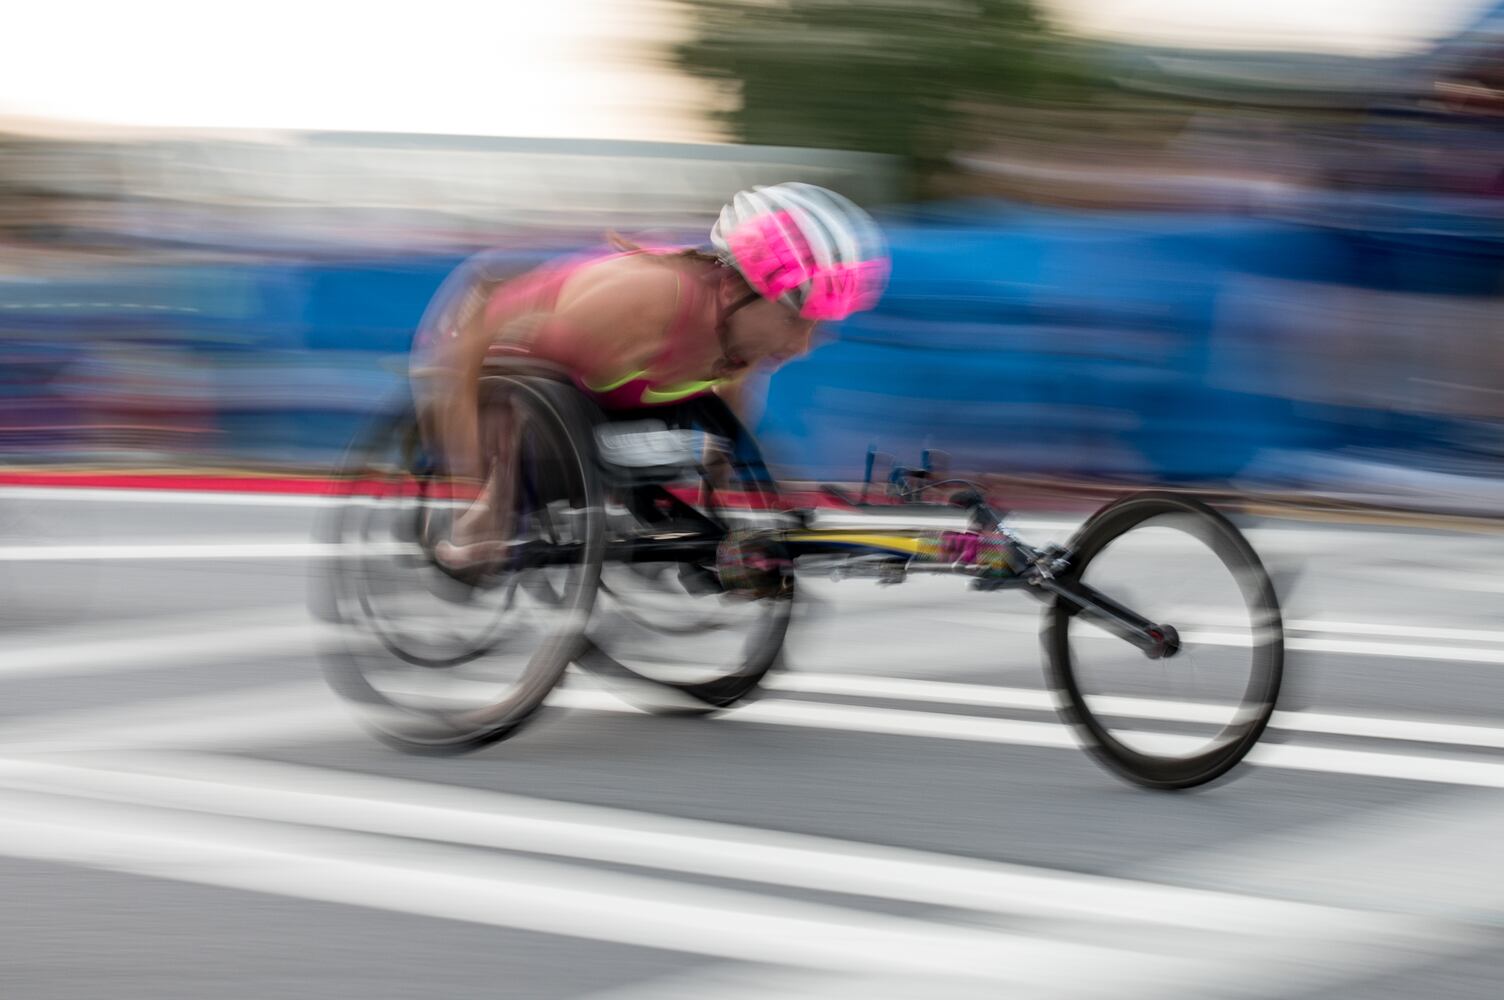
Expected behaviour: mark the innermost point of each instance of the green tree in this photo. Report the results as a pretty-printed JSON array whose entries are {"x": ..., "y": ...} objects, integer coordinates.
[{"x": 911, "y": 78}]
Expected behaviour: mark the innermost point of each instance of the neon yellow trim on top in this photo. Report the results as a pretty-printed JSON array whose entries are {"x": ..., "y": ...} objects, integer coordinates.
[
  {"x": 669, "y": 395},
  {"x": 677, "y": 392},
  {"x": 618, "y": 383}
]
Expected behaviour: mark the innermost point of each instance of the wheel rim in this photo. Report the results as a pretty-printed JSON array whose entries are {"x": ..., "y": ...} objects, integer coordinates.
[
  {"x": 1204, "y": 704},
  {"x": 434, "y": 661},
  {"x": 655, "y": 623}
]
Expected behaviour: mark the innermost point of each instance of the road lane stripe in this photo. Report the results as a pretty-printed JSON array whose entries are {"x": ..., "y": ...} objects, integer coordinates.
[
  {"x": 532, "y": 894},
  {"x": 1025, "y": 699},
  {"x": 395, "y": 807}
]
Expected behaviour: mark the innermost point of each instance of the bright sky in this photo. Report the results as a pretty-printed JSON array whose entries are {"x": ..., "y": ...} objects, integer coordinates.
[
  {"x": 1350, "y": 27},
  {"x": 504, "y": 67}
]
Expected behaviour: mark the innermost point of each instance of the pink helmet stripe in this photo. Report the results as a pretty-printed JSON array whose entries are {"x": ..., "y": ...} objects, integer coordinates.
[
  {"x": 839, "y": 290},
  {"x": 771, "y": 254},
  {"x": 805, "y": 246}
]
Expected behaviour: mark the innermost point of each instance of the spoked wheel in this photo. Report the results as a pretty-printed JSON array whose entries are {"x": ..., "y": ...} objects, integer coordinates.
[
  {"x": 446, "y": 661},
  {"x": 1189, "y": 715},
  {"x": 680, "y": 625}
]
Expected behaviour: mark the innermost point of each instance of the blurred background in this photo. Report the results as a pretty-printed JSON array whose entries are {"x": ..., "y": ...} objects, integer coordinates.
[
  {"x": 1248, "y": 246},
  {"x": 1254, "y": 248}
]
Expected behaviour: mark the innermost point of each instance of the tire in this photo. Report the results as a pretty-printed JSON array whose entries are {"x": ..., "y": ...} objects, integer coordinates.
[
  {"x": 422, "y": 682},
  {"x": 670, "y": 624},
  {"x": 1142, "y": 552},
  {"x": 388, "y": 492}
]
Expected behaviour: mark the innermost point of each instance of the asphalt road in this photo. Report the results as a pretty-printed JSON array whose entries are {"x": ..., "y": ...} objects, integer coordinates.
[{"x": 188, "y": 812}]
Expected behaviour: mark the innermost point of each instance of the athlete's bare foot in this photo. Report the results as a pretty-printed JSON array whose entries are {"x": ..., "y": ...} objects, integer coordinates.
[{"x": 467, "y": 556}]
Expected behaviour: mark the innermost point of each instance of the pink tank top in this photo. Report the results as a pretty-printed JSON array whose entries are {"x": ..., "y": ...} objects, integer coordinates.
[{"x": 538, "y": 291}]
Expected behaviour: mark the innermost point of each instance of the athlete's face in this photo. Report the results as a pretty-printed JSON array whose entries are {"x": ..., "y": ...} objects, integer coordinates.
[{"x": 765, "y": 332}]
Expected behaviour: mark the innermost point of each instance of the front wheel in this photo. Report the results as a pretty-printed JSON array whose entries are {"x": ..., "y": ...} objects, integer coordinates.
[{"x": 1186, "y": 717}]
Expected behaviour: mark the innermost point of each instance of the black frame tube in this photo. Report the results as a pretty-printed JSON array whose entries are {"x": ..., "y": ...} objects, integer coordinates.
[{"x": 1121, "y": 621}]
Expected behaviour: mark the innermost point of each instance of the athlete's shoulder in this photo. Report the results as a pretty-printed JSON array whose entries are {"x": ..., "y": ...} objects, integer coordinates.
[{"x": 628, "y": 294}]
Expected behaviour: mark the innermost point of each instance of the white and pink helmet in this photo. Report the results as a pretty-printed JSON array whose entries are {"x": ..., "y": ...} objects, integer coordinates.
[{"x": 805, "y": 246}]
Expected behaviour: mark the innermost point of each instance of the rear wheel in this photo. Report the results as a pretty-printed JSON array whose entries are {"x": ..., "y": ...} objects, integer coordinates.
[
  {"x": 687, "y": 627},
  {"x": 442, "y": 661}
]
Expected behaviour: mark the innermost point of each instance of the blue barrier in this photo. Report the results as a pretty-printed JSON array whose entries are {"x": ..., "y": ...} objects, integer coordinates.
[
  {"x": 1045, "y": 342},
  {"x": 1131, "y": 345}
]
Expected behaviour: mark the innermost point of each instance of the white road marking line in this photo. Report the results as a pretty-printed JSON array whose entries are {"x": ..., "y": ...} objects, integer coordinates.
[
  {"x": 543, "y": 896},
  {"x": 194, "y": 724},
  {"x": 166, "y": 627},
  {"x": 190, "y": 498},
  {"x": 1301, "y": 643},
  {"x": 1454, "y": 654},
  {"x": 958, "y": 693},
  {"x": 308, "y": 712},
  {"x": 905, "y": 689},
  {"x": 85, "y": 656},
  {"x": 1266, "y": 537},
  {"x": 249, "y": 641},
  {"x": 295, "y": 794},
  {"x": 150, "y": 652},
  {"x": 223, "y": 548},
  {"x": 827, "y": 516},
  {"x": 853, "y": 718},
  {"x": 393, "y": 864},
  {"x": 268, "y": 548},
  {"x": 1298, "y": 538},
  {"x": 1325, "y": 627},
  {"x": 238, "y": 718},
  {"x": 904, "y": 722}
]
